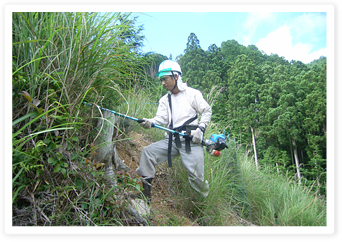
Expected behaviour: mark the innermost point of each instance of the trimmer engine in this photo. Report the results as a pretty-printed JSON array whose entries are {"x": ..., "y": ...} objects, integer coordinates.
[{"x": 215, "y": 144}]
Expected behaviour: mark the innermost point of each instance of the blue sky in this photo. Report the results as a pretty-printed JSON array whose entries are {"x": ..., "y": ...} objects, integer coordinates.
[{"x": 294, "y": 35}]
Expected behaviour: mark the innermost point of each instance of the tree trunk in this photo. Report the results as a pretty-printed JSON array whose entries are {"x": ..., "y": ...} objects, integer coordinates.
[
  {"x": 106, "y": 153},
  {"x": 293, "y": 162},
  {"x": 255, "y": 150},
  {"x": 297, "y": 161}
]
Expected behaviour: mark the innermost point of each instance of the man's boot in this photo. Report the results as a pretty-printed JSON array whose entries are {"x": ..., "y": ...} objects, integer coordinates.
[
  {"x": 147, "y": 189},
  {"x": 146, "y": 193}
]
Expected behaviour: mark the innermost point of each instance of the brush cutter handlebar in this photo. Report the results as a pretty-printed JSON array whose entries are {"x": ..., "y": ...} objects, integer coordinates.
[
  {"x": 171, "y": 131},
  {"x": 214, "y": 145}
]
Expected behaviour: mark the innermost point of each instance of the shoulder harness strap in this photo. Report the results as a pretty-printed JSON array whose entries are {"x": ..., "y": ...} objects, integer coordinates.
[{"x": 184, "y": 127}]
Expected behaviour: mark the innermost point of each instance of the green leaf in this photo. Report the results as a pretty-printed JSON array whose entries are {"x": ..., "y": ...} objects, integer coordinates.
[
  {"x": 75, "y": 138},
  {"x": 79, "y": 184},
  {"x": 59, "y": 156},
  {"x": 40, "y": 143},
  {"x": 84, "y": 205},
  {"x": 17, "y": 191},
  {"x": 63, "y": 170},
  {"x": 27, "y": 96},
  {"x": 98, "y": 201},
  {"x": 29, "y": 115},
  {"x": 26, "y": 42},
  {"x": 52, "y": 161},
  {"x": 57, "y": 168},
  {"x": 15, "y": 178}
]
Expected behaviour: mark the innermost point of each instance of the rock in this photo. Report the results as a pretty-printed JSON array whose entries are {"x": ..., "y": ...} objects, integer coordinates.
[{"x": 141, "y": 206}]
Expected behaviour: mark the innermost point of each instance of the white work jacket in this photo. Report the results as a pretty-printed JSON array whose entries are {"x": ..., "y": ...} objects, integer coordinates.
[{"x": 185, "y": 105}]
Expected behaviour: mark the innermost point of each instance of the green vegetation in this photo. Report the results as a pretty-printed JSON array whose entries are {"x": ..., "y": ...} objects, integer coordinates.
[
  {"x": 272, "y": 174},
  {"x": 59, "y": 60},
  {"x": 275, "y": 108},
  {"x": 260, "y": 198}
]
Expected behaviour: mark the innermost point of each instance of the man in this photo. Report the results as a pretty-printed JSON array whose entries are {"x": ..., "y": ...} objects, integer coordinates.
[{"x": 177, "y": 110}]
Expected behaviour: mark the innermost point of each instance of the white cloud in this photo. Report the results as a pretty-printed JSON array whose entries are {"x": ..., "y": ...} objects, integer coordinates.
[
  {"x": 293, "y": 36},
  {"x": 253, "y": 21},
  {"x": 280, "y": 42},
  {"x": 309, "y": 24},
  {"x": 254, "y": 18},
  {"x": 315, "y": 55},
  {"x": 276, "y": 42}
]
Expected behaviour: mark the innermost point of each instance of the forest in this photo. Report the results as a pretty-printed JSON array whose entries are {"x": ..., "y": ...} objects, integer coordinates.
[{"x": 273, "y": 109}]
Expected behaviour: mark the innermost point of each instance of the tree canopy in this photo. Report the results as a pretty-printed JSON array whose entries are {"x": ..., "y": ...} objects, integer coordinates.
[{"x": 279, "y": 104}]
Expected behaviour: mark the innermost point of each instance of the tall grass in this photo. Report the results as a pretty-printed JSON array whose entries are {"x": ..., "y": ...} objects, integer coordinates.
[
  {"x": 141, "y": 103},
  {"x": 278, "y": 201},
  {"x": 59, "y": 60},
  {"x": 227, "y": 193},
  {"x": 239, "y": 190},
  {"x": 66, "y": 57}
]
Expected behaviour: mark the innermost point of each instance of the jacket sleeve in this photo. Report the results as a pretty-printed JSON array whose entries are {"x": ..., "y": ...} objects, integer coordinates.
[
  {"x": 202, "y": 107},
  {"x": 162, "y": 116}
]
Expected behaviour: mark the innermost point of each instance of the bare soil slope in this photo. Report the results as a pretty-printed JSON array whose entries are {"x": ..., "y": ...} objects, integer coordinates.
[{"x": 165, "y": 208}]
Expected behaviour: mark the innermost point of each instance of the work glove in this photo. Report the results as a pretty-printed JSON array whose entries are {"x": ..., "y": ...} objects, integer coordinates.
[
  {"x": 197, "y": 136},
  {"x": 147, "y": 124}
]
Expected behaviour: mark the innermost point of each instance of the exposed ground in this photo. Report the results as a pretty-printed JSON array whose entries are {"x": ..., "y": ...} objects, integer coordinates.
[
  {"x": 163, "y": 204},
  {"x": 165, "y": 207}
]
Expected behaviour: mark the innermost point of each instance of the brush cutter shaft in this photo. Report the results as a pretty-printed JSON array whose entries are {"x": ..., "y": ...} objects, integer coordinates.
[
  {"x": 170, "y": 130},
  {"x": 141, "y": 120},
  {"x": 119, "y": 114}
]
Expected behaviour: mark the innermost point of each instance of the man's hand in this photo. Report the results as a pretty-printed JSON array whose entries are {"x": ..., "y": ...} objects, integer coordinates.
[
  {"x": 147, "y": 124},
  {"x": 197, "y": 136}
]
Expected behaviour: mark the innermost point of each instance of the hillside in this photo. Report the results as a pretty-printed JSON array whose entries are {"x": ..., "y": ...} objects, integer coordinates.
[
  {"x": 166, "y": 207},
  {"x": 274, "y": 109}
]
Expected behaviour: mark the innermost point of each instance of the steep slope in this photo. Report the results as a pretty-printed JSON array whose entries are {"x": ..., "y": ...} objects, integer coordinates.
[
  {"x": 163, "y": 205},
  {"x": 166, "y": 207}
]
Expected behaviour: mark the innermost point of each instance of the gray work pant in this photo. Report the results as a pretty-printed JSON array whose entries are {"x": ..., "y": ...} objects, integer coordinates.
[{"x": 156, "y": 153}]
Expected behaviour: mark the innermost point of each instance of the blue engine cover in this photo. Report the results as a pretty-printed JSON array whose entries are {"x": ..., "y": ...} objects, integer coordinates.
[{"x": 215, "y": 137}]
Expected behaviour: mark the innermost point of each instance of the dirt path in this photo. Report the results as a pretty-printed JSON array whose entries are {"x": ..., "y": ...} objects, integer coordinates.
[{"x": 164, "y": 205}]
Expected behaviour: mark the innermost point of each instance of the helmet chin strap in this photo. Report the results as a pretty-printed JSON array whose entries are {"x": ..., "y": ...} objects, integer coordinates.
[{"x": 173, "y": 75}]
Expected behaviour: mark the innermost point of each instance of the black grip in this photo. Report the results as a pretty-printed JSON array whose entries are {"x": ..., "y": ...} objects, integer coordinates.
[
  {"x": 188, "y": 136},
  {"x": 140, "y": 121}
]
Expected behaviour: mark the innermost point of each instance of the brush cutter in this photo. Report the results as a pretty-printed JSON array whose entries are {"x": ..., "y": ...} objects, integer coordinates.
[
  {"x": 141, "y": 120},
  {"x": 214, "y": 145}
]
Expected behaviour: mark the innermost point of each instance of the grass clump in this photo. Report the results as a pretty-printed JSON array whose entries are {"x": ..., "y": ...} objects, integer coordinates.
[
  {"x": 242, "y": 195},
  {"x": 59, "y": 60},
  {"x": 278, "y": 201}
]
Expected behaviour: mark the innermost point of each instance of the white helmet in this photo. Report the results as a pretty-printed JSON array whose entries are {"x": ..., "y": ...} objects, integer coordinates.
[{"x": 167, "y": 67}]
